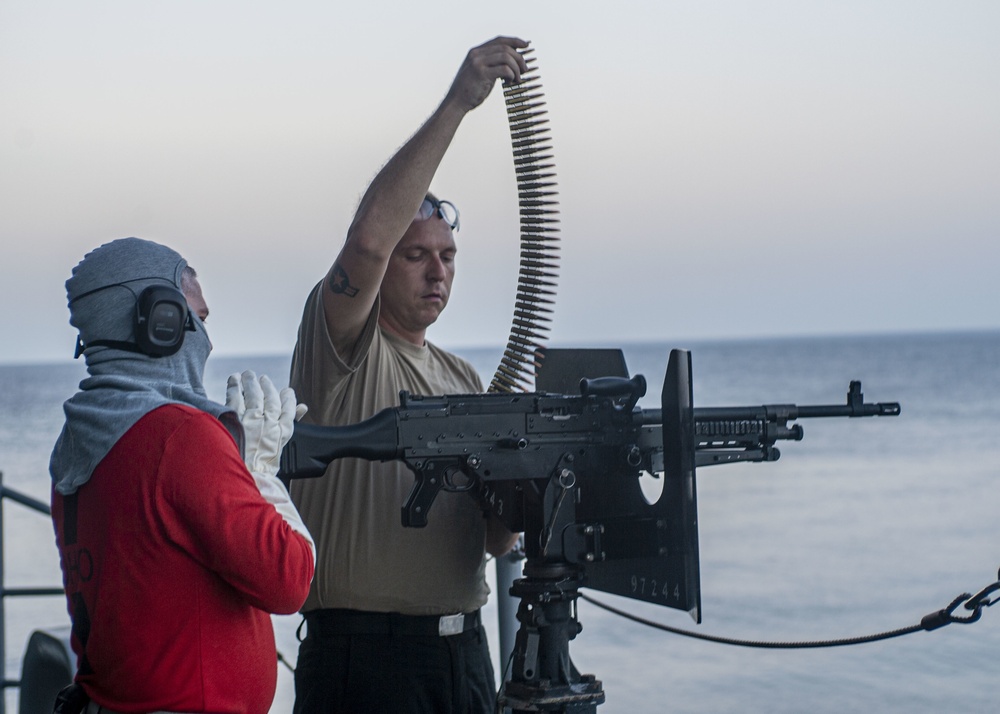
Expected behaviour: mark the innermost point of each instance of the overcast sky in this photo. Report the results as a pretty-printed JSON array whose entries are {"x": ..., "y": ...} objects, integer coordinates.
[{"x": 725, "y": 169}]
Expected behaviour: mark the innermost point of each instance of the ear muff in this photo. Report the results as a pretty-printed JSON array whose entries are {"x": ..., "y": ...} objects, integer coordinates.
[{"x": 161, "y": 317}]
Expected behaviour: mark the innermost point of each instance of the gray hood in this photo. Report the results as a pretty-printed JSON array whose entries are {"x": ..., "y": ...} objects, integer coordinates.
[{"x": 124, "y": 386}]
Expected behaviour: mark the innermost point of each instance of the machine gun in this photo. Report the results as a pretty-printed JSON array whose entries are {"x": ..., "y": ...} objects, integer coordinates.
[{"x": 564, "y": 469}]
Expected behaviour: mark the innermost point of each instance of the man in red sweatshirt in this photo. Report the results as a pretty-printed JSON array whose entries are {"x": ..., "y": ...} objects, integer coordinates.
[{"x": 175, "y": 547}]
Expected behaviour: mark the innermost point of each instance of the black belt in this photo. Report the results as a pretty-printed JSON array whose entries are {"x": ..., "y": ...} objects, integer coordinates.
[{"x": 337, "y": 621}]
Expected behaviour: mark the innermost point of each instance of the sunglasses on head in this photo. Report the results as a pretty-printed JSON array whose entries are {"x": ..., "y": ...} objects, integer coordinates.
[{"x": 445, "y": 210}]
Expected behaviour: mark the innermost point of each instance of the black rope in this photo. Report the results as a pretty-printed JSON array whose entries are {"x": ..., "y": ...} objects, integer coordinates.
[
  {"x": 288, "y": 665},
  {"x": 929, "y": 622}
]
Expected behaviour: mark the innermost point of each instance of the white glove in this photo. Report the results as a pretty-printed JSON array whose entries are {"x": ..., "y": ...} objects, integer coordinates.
[{"x": 268, "y": 418}]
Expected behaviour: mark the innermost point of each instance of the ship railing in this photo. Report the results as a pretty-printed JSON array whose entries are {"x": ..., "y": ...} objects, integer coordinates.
[{"x": 7, "y": 493}]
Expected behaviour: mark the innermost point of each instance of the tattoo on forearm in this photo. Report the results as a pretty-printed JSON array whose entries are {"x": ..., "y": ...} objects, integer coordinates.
[{"x": 340, "y": 283}]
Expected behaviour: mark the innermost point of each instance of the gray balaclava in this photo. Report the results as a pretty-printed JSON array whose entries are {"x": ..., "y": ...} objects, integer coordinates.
[{"x": 123, "y": 385}]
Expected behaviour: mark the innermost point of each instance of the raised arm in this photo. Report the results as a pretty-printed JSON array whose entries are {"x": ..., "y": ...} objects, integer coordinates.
[{"x": 393, "y": 197}]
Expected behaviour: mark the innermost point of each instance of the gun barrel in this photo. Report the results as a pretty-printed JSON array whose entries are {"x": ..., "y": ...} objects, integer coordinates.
[
  {"x": 855, "y": 407},
  {"x": 771, "y": 412},
  {"x": 850, "y": 410}
]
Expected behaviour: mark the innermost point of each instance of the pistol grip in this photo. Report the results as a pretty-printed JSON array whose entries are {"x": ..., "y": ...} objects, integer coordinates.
[{"x": 428, "y": 482}]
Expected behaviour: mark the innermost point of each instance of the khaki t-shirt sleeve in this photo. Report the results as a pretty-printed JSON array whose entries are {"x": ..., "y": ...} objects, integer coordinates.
[{"x": 317, "y": 368}]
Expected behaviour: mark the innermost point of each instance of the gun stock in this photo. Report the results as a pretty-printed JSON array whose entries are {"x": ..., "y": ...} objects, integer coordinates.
[{"x": 313, "y": 447}]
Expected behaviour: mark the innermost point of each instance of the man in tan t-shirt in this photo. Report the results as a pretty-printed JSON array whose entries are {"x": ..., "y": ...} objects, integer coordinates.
[{"x": 393, "y": 614}]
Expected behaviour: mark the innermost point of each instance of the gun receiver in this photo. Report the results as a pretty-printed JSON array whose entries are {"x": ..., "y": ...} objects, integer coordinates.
[{"x": 523, "y": 454}]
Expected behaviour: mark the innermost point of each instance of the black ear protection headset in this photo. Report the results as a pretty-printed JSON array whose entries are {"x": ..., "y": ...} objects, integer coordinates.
[{"x": 161, "y": 319}]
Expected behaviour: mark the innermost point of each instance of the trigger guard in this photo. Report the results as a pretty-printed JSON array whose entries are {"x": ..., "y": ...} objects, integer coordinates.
[{"x": 450, "y": 486}]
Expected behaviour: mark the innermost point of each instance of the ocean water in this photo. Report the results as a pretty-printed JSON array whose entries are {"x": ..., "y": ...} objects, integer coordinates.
[{"x": 865, "y": 526}]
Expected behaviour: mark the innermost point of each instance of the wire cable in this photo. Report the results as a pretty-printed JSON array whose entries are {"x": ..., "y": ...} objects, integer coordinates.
[{"x": 929, "y": 622}]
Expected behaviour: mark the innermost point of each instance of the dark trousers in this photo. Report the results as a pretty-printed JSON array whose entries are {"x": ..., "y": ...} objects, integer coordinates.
[{"x": 348, "y": 667}]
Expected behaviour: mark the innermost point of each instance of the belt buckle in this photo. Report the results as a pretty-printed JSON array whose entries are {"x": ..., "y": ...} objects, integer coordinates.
[{"x": 451, "y": 625}]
